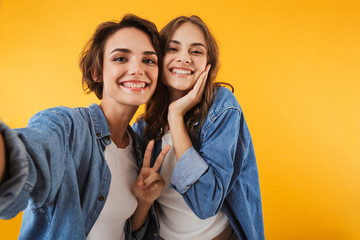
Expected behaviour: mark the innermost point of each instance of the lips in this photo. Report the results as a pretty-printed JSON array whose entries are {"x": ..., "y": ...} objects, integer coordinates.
[
  {"x": 181, "y": 71},
  {"x": 134, "y": 85}
]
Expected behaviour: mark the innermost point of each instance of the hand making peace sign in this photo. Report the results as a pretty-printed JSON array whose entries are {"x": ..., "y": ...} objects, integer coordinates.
[{"x": 149, "y": 183}]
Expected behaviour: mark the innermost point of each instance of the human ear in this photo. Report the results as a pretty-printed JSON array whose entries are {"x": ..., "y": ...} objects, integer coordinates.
[{"x": 95, "y": 75}]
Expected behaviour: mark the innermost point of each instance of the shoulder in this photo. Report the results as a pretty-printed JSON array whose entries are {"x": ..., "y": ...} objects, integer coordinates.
[
  {"x": 224, "y": 100},
  {"x": 61, "y": 118},
  {"x": 224, "y": 112},
  {"x": 61, "y": 111}
]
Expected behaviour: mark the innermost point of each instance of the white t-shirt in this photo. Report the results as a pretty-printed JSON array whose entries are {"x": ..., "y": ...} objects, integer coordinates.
[
  {"x": 120, "y": 203},
  {"x": 177, "y": 220}
]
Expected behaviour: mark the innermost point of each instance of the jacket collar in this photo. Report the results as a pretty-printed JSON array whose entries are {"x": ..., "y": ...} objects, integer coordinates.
[
  {"x": 102, "y": 130},
  {"x": 100, "y": 123}
]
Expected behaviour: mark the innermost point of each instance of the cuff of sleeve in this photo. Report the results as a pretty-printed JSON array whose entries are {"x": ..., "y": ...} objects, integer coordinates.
[
  {"x": 14, "y": 189},
  {"x": 190, "y": 167},
  {"x": 139, "y": 234}
]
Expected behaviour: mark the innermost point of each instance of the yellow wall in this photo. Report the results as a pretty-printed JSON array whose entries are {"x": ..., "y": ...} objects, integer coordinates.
[{"x": 295, "y": 65}]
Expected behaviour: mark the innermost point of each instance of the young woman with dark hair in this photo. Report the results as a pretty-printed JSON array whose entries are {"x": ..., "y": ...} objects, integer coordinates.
[{"x": 80, "y": 173}]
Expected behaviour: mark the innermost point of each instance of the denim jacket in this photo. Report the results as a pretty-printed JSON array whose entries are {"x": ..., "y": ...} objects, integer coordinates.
[
  {"x": 219, "y": 171},
  {"x": 57, "y": 172}
]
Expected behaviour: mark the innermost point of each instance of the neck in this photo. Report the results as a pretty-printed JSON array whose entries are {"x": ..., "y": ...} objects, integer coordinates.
[{"x": 118, "y": 118}]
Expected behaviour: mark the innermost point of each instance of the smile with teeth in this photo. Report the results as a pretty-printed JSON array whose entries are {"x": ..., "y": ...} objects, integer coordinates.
[
  {"x": 134, "y": 84},
  {"x": 181, "y": 71}
]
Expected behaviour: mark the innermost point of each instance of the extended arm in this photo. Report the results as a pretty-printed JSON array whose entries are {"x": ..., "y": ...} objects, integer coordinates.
[
  {"x": 2, "y": 158},
  {"x": 35, "y": 159}
]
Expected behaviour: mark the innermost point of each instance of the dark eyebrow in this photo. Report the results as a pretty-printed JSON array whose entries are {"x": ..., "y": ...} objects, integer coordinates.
[
  {"x": 174, "y": 41},
  {"x": 193, "y": 44},
  {"x": 198, "y": 44},
  {"x": 124, "y": 50},
  {"x": 150, "y": 53}
]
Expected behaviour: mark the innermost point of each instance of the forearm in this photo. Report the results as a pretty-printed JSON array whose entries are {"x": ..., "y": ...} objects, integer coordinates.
[
  {"x": 2, "y": 158},
  {"x": 179, "y": 135},
  {"x": 140, "y": 215}
]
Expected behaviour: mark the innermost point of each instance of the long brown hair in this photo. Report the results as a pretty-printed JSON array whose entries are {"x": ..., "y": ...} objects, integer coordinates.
[
  {"x": 92, "y": 56},
  {"x": 157, "y": 108}
]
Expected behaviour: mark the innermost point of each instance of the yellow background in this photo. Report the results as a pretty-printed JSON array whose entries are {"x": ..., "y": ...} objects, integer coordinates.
[{"x": 295, "y": 65}]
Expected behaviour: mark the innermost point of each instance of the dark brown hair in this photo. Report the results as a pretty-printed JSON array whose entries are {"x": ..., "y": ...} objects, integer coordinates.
[
  {"x": 157, "y": 108},
  {"x": 92, "y": 56}
]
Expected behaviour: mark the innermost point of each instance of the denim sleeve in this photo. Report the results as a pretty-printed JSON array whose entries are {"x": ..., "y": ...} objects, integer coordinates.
[
  {"x": 35, "y": 162},
  {"x": 203, "y": 177},
  {"x": 190, "y": 168},
  {"x": 14, "y": 191},
  {"x": 137, "y": 235}
]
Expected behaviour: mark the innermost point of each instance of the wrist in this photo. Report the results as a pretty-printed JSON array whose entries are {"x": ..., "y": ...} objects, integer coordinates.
[
  {"x": 175, "y": 111},
  {"x": 175, "y": 117},
  {"x": 145, "y": 204}
]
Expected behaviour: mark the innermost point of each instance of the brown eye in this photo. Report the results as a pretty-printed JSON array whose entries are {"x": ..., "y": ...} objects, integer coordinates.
[
  {"x": 197, "y": 52},
  {"x": 120, "y": 59},
  {"x": 150, "y": 61}
]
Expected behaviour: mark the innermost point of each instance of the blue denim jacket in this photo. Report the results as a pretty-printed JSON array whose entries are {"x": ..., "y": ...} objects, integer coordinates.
[
  {"x": 219, "y": 171},
  {"x": 57, "y": 172}
]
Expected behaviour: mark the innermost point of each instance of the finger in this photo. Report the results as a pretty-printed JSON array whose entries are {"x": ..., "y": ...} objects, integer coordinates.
[
  {"x": 140, "y": 184},
  {"x": 147, "y": 155},
  {"x": 140, "y": 178},
  {"x": 198, "y": 89},
  {"x": 201, "y": 82},
  {"x": 151, "y": 179},
  {"x": 161, "y": 158},
  {"x": 158, "y": 185},
  {"x": 207, "y": 69},
  {"x": 155, "y": 187},
  {"x": 136, "y": 186},
  {"x": 202, "y": 85}
]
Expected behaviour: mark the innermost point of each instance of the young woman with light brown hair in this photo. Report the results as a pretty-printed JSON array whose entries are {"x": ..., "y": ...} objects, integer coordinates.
[{"x": 212, "y": 185}]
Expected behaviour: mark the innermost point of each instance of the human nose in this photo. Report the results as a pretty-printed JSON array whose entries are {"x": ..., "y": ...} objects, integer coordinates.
[
  {"x": 135, "y": 67},
  {"x": 184, "y": 57}
]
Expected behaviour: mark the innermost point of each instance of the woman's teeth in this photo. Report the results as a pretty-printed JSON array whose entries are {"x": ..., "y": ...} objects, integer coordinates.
[
  {"x": 181, "y": 71},
  {"x": 134, "y": 85}
]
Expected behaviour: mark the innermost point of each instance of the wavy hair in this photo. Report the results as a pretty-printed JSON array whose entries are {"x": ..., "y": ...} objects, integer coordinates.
[
  {"x": 155, "y": 115},
  {"x": 92, "y": 55}
]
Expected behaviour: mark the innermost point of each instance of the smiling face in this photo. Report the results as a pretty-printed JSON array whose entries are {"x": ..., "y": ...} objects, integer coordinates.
[
  {"x": 185, "y": 59},
  {"x": 130, "y": 68}
]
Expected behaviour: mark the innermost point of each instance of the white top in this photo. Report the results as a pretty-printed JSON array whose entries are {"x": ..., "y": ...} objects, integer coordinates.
[
  {"x": 177, "y": 220},
  {"x": 120, "y": 203}
]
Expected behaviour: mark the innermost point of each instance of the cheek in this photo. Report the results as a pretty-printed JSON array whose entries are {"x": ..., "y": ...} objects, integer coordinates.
[
  {"x": 166, "y": 60},
  {"x": 153, "y": 74},
  {"x": 203, "y": 64},
  {"x": 111, "y": 70}
]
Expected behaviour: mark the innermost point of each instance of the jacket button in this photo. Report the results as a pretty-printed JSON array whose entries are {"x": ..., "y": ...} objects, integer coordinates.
[
  {"x": 107, "y": 138},
  {"x": 101, "y": 198},
  {"x": 98, "y": 134}
]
